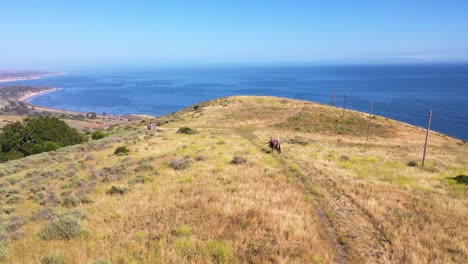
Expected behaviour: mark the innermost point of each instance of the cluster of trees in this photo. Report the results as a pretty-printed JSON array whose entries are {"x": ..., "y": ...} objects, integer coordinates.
[
  {"x": 36, "y": 135},
  {"x": 17, "y": 107}
]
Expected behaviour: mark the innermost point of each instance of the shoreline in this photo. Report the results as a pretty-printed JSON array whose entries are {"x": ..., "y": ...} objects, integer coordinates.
[
  {"x": 29, "y": 96},
  {"x": 29, "y": 78},
  {"x": 26, "y": 98}
]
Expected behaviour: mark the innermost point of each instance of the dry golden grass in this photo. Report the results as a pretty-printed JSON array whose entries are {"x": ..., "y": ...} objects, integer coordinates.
[{"x": 331, "y": 197}]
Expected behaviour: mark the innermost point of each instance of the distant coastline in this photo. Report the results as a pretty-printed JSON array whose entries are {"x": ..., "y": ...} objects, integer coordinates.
[
  {"x": 35, "y": 76},
  {"x": 26, "y": 98}
]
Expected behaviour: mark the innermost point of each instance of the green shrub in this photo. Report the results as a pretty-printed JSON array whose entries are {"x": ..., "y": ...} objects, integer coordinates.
[
  {"x": 137, "y": 180},
  {"x": 13, "y": 198},
  {"x": 238, "y": 160},
  {"x": 183, "y": 231},
  {"x": 185, "y": 247},
  {"x": 11, "y": 180},
  {"x": 63, "y": 228},
  {"x": 219, "y": 251},
  {"x": 98, "y": 134},
  {"x": 186, "y": 130},
  {"x": 122, "y": 150},
  {"x": 85, "y": 199},
  {"x": 44, "y": 147},
  {"x": 180, "y": 164},
  {"x": 36, "y": 135},
  {"x": 3, "y": 253},
  {"x": 117, "y": 190},
  {"x": 53, "y": 259},
  {"x": 69, "y": 202},
  {"x": 461, "y": 179},
  {"x": 102, "y": 261},
  {"x": 8, "y": 210}
]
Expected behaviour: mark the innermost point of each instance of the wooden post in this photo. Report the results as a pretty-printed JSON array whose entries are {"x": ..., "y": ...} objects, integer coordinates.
[
  {"x": 370, "y": 117},
  {"x": 427, "y": 135},
  {"x": 333, "y": 97},
  {"x": 344, "y": 104}
]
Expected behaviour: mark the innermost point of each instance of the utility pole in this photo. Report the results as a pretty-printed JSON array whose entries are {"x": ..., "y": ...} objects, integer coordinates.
[
  {"x": 370, "y": 117},
  {"x": 427, "y": 135},
  {"x": 344, "y": 104},
  {"x": 333, "y": 98}
]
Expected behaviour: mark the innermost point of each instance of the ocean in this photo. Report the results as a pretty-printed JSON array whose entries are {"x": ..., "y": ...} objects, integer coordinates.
[{"x": 402, "y": 92}]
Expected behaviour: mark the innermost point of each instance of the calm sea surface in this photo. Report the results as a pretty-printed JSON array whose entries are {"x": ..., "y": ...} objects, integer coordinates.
[{"x": 402, "y": 92}]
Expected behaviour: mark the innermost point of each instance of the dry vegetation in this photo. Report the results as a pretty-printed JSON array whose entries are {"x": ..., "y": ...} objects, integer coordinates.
[{"x": 219, "y": 195}]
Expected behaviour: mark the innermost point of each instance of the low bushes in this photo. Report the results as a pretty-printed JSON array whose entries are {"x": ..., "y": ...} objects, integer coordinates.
[
  {"x": 122, "y": 150},
  {"x": 238, "y": 160},
  {"x": 53, "y": 259},
  {"x": 461, "y": 179},
  {"x": 117, "y": 190},
  {"x": 63, "y": 228},
  {"x": 98, "y": 134},
  {"x": 186, "y": 130},
  {"x": 180, "y": 164}
]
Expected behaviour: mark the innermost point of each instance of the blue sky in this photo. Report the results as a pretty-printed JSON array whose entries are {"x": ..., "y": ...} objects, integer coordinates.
[{"x": 39, "y": 34}]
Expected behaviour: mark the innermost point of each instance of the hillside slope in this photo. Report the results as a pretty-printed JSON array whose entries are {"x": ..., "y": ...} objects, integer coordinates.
[{"x": 220, "y": 195}]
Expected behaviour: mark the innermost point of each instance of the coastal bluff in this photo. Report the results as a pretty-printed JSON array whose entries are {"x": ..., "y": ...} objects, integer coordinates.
[{"x": 219, "y": 195}]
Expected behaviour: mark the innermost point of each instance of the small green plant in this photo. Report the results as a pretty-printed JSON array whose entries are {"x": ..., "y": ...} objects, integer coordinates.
[
  {"x": 388, "y": 237},
  {"x": 11, "y": 180},
  {"x": 3, "y": 253},
  {"x": 122, "y": 150},
  {"x": 13, "y": 199},
  {"x": 186, "y": 130},
  {"x": 343, "y": 241},
  {"x": 182, "y": 231},
  {"x": 219, "y": 251},
  {"x": 53, "y": 259},
  {"x": 238, "y": 160},
  {"x": 117, "y": 190},
  {"x": 186, "y": 179},
  {"x": 69, "y": 202},
  {"x": 102, "y": 261},
  {"x": 98, "y": 134},
  {"x": 185, "y": 247},
  {"x": 461, "y": 179},
  {"x": 63, "y": 228},
  {"x": 137, "y": 180},
  {"x": 8, "y": 210},
  {"x": 318, "y": 259}
]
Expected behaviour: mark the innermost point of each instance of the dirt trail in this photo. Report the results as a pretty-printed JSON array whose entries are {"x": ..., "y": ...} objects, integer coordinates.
[
  {"x": 354, "y": 235},
  {"x": 331, "y": 232},
  {"x": 358, "y": 231}
]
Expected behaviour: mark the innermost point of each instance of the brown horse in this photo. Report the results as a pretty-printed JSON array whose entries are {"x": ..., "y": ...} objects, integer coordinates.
[{"x": 275, "y": 146}]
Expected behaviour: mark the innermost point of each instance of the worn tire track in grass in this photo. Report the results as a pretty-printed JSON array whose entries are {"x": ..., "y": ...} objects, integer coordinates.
[
  {"x": 331, "y": 232},
  {"x": 358, "y": 230}
]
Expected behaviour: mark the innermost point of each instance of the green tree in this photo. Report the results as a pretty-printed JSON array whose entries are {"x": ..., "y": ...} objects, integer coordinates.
[{"x": 36, "y": 135}]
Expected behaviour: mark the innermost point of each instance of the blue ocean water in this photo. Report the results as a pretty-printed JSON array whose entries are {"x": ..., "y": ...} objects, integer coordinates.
[{"x": 402, "y": 92}]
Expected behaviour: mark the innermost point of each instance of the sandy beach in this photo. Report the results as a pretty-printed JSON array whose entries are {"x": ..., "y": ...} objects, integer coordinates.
[{"x": 27, "y": 97}]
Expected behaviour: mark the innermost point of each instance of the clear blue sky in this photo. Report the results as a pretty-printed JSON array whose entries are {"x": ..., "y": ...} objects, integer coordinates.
[{"x": 38, "y": 34}]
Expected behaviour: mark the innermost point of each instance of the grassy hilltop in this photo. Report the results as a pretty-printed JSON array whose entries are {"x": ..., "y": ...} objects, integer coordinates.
[{"x": 219, "y": 195}]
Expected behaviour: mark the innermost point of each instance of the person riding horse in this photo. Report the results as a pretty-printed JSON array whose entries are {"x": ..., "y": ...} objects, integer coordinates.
[{"x": 275, "y": 144}]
